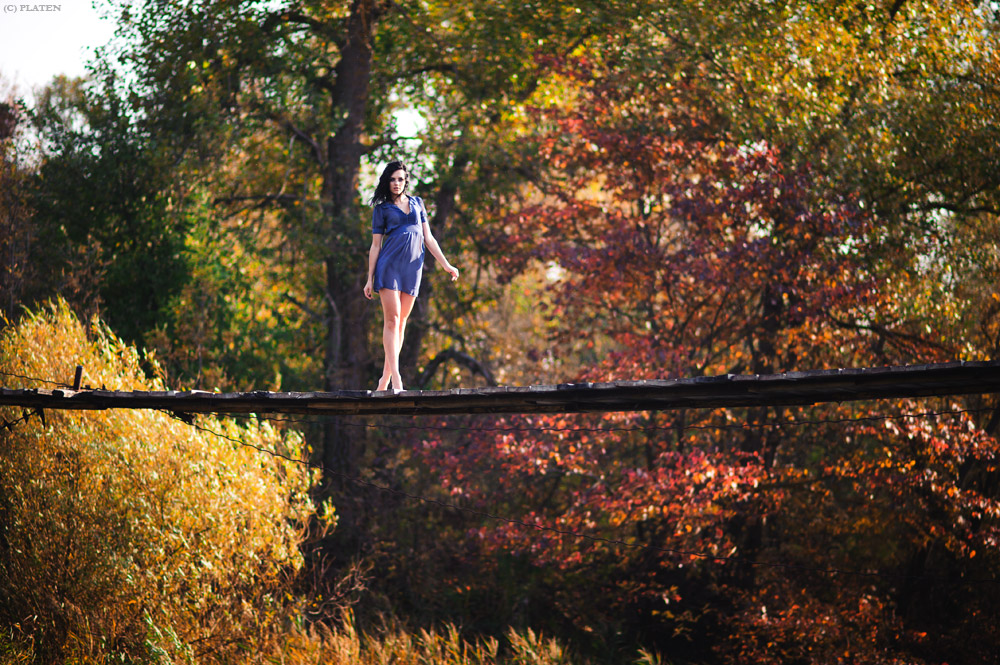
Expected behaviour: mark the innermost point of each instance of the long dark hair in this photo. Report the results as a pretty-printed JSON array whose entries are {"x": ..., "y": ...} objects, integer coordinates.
[{"x": 382, "y": 193}]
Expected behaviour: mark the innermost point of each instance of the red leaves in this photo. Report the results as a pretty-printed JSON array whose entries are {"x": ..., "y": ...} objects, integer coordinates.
[
  {"x": 724, "y": 254},
  {"x": 697, "y": 257}
]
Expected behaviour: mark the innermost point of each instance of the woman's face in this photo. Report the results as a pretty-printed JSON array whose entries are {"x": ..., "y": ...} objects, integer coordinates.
[{"x": 397, "y": 183}]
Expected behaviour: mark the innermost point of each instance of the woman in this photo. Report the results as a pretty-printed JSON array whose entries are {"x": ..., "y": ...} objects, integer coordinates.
[{"x": 396, "y": 260}]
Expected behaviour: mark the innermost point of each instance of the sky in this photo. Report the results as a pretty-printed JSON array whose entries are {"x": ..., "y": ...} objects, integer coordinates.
[{"x": 39, "y": 40}]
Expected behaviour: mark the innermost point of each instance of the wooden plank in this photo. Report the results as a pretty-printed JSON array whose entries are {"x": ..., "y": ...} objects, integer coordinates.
[{"x": 791, "y": 388}]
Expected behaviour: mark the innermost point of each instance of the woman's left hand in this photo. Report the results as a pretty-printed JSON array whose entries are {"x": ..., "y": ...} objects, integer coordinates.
[{"x": 451, "y": 270}]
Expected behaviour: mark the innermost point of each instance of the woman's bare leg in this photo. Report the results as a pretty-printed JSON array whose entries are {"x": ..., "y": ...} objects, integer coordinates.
[
  {"x": 406, "y": 302},
  {"x": 390, "y": 334},
  {"x": 396, "y": 308},
  {"x": 383, "y": 382}
]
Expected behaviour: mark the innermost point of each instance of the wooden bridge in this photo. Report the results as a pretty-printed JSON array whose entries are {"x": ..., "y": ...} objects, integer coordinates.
[{"x": 788, "y": 389}]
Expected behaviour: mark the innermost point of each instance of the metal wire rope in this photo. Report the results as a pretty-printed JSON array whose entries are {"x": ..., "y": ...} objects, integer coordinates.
[
  {"x": 35, "y": 378},
  {"x": 642, "y": 428}
]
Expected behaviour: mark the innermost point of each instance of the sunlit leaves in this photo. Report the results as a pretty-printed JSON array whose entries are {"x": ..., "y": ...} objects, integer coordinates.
[
  {"x": 697, "y": 254},
  {"x": 133, "y": 526}
]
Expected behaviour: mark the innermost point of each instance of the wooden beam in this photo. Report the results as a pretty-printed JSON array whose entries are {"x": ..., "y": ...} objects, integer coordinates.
[{"x": 792, "y": 388}]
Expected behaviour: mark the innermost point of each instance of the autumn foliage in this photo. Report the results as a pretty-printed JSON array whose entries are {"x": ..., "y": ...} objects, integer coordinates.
[
  {"x": 828, "y": 534},
  {"x": 632, "y": 190},
  {"x": 130, "y": 533}
]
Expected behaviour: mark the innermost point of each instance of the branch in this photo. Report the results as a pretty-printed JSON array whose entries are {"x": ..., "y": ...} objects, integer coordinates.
[
  {"x": 369, "y": 148},
  {"x": 316, "y": 26},
  {"x": 884, "y": 333},
  {"x": 442, "y": 68},
  {"x": 460, "y": 358},
  {"x": 305, "y": 308},
  {"x": 299, "y": 134},
  {"x": 954, "y": 207},
  {"x": 261, "y": 199}
]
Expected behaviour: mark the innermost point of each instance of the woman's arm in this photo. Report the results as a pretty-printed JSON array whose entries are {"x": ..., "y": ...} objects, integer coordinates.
[
  {"x": 373, "y": 253},
  {"x": 435, "y": 249}
]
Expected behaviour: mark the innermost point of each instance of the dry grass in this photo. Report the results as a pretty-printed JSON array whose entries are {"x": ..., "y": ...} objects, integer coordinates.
[{"x": 397, "y": 646}]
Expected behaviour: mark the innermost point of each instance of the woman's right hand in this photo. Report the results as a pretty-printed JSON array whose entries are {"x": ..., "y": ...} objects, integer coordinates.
[{"x": 368, "y": 289}]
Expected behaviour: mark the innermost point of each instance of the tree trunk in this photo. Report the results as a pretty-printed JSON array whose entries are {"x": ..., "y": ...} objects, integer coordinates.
[{"x": 347, "y": 310}]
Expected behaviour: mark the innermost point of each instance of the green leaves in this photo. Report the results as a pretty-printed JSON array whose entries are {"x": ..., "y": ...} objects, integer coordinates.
[{"x": 109, "y": 235}]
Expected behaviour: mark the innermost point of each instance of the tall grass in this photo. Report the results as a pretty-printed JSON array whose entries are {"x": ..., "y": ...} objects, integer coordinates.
[{"x": 398, "y": 646}]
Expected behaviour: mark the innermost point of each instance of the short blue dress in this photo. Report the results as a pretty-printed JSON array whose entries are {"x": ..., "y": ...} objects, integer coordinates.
[{"x": 400, "y": 262}]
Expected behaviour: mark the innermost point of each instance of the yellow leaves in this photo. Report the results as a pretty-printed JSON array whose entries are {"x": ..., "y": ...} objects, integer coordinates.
[
  {"x": 327, "y": 514},
  {"x": 160, "y": 513}
]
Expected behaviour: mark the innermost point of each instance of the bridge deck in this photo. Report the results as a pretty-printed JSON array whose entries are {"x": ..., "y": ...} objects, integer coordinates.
[{"x": 792, "y": 388}]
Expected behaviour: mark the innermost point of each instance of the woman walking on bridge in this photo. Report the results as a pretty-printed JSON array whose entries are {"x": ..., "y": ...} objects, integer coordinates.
[{"x": 400, "y": 232}]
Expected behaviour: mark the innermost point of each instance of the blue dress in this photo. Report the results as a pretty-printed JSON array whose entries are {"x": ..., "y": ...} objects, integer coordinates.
[{"x": 400, "y": 262}]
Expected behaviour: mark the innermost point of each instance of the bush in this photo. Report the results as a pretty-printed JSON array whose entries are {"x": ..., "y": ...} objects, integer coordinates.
[{"x": 127, "y": 534}]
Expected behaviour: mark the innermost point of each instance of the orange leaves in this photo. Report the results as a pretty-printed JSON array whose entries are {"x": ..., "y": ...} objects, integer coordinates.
[{"x": 129, "y": 507}]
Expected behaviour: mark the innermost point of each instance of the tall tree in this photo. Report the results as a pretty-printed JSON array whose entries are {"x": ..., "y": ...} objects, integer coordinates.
[
  {"x": 15, "y": 246},
  {"x": 730, "y": 190},
  {"x": 107, "y": 237},
  {"x": 272, "y": 110},
  {"x": 695, "y": 256}
]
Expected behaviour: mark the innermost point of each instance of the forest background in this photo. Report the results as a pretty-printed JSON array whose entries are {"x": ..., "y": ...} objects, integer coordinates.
[{"x": 632, "y": 190}]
